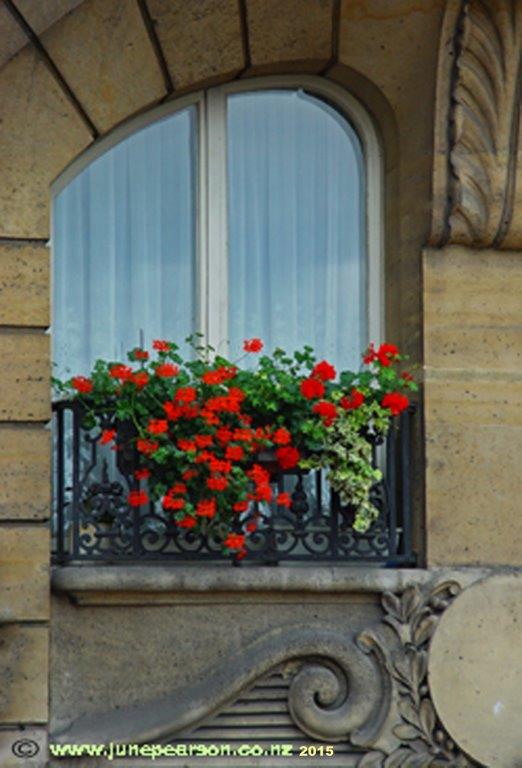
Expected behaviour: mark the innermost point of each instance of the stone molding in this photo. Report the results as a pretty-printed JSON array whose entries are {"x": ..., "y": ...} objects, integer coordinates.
[
  {"x": 162, "y": 584},
  {"x": 477, "y": 122}
]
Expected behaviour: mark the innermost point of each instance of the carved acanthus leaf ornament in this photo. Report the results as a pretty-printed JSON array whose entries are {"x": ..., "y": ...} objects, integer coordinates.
[
  {"x": 477, "y": 122},
  {"x": 422, "y": 741}
]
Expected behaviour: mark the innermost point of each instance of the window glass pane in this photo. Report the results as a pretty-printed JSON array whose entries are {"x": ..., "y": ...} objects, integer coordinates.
[
  {"x": 123, "y": 241},
  {"x": 296, "y": 225}
]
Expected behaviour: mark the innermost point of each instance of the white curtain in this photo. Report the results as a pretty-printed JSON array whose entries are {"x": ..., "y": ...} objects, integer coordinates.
[
  {"x": 124, "y": 248},
  {"x": 296, "y": 226}
]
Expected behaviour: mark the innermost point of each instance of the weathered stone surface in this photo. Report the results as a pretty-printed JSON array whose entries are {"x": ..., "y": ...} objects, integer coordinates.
[
  {"x": 201, "y": 40},
  {"x": 479, "y": 643},
  {"x": 11, "y": 36},
  {"x": 25, "y": 472},
  {"x": 468, "y": 399},
  {"x": 24, "y": 573},
  {"x": 24, "y": 284},
  {"x": 290, "y": 31},
  {"x": 105, "y": 54},
  {"x": 23, "y": 674},
  {"x": 19, "y": 740},
  {"x": 473, "y": 391},
  {"x": 473, "y": 311},
  {"x": 25, "y": 387},
  {"x": 473, "y": 492},
  {"x": 40, "y": 133}
]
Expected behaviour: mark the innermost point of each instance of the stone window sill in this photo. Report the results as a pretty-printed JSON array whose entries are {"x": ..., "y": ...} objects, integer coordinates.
[{"x": 208, "y": 584}]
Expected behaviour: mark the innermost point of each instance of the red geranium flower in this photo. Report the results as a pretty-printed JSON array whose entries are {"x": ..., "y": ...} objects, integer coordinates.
[
  {"x": 166, "y": 370},
  {"x": 251, "y": 527},
  {"x": 241, "y": 506},
  {"x": 263, "y": 493},
  {"x": 281, "y": 436},
  {"x": 287, "y": 456},
  {"x": 406, "y": 376},
  {"x": 387, "y": 353},
  {"x": 141, "y": 379},
  {"x": 224, "y": 435},
  {"x": 206, "y": 508},
  {"x": 396, "y": 402},
  {"x": 312, "y": 388},
  {"x": 370, "y": 355},
  {"x": 170, "y": 503},
  {"x": 146, "y": 446},
  {"x": 203, "y": 441},
  {"x": 234, "y": 541},
  {"x": 324, "y": 371},
  {"x": 253, "y": 345},
  {"x": 161, "y": 346},
  {"x": 158, "y": 426},
  {"x": 284, "y": 500},
  {"x": 137, "y": 498},
  {"x": 107, "y": 436},
  {"x": 121, "y": 372},
  {"x": 353, "y": 402},
  {"x": 82, "y": 384},
  {"x": 187, "y": 522},
  {"x": 217, "y": 483},
  {"x": 189, "y": 474},
  {"x": 185, "y": 395},
  {"x": 327, "y": 411},
  {"x": 186, "y": 445},
  {"x": 172, "y": 411},
  {"x": 140, "y": 354},
  {"x": 234, "y": 452},
  {"x": 142, "y": 474}
]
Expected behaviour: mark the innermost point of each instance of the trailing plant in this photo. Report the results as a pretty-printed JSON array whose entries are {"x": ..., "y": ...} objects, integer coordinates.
[{"x": 198, "y": 427}]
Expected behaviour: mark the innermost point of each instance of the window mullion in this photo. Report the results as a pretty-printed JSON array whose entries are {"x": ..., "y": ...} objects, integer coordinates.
[{"x": 217, "y": 226}]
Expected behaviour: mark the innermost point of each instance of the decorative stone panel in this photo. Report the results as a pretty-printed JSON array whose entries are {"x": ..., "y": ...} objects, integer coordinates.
[
  {"x": 103, "y": 51},
  {"x": 25, "y": 380},
  {"x": 365, "y": 690},
  {"x": 24, "y": 284},
  {"x": 40, "y": 133}
]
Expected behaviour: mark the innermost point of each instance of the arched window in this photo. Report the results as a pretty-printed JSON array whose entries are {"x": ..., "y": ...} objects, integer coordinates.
[{"x": 252, "y": 209}]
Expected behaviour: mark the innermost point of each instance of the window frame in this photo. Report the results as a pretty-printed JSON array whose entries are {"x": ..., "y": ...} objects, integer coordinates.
[{"x": 211, "y": 236}]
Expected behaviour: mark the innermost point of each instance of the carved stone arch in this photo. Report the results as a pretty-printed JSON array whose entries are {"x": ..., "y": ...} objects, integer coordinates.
[{"x": 477, "y": 122}]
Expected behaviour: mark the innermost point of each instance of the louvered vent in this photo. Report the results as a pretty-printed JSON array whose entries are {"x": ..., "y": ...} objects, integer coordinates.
[{"x": 261, "y": 716}]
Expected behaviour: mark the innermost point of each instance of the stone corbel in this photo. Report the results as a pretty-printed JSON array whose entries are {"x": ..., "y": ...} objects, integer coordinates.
[{"x": 477, "y": 123}]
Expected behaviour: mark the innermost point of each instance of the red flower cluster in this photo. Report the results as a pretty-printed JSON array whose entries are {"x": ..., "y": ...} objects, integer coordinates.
[
  {"x": 253, "y": 345},
  {"x": 385, "y": 355},
  {"x": 82, "y": 384},
  {"x": 396, "y": 402},
  {"x": 354, "y": 401},
  {"x": 327, "y": 411}
]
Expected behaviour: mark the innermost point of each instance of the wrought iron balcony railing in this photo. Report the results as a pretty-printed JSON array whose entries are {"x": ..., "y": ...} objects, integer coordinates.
[{"x": 93, "y": 522}]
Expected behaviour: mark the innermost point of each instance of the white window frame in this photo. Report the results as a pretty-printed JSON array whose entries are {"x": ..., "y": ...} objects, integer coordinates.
[{"x": 211, "y": 207}]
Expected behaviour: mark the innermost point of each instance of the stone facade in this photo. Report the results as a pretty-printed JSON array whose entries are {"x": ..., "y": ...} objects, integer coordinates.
[{"x": 440, "y": 79}]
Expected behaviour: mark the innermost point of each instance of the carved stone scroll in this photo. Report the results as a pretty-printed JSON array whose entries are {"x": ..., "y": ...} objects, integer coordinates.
[{"x": 477, "y": 122}]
